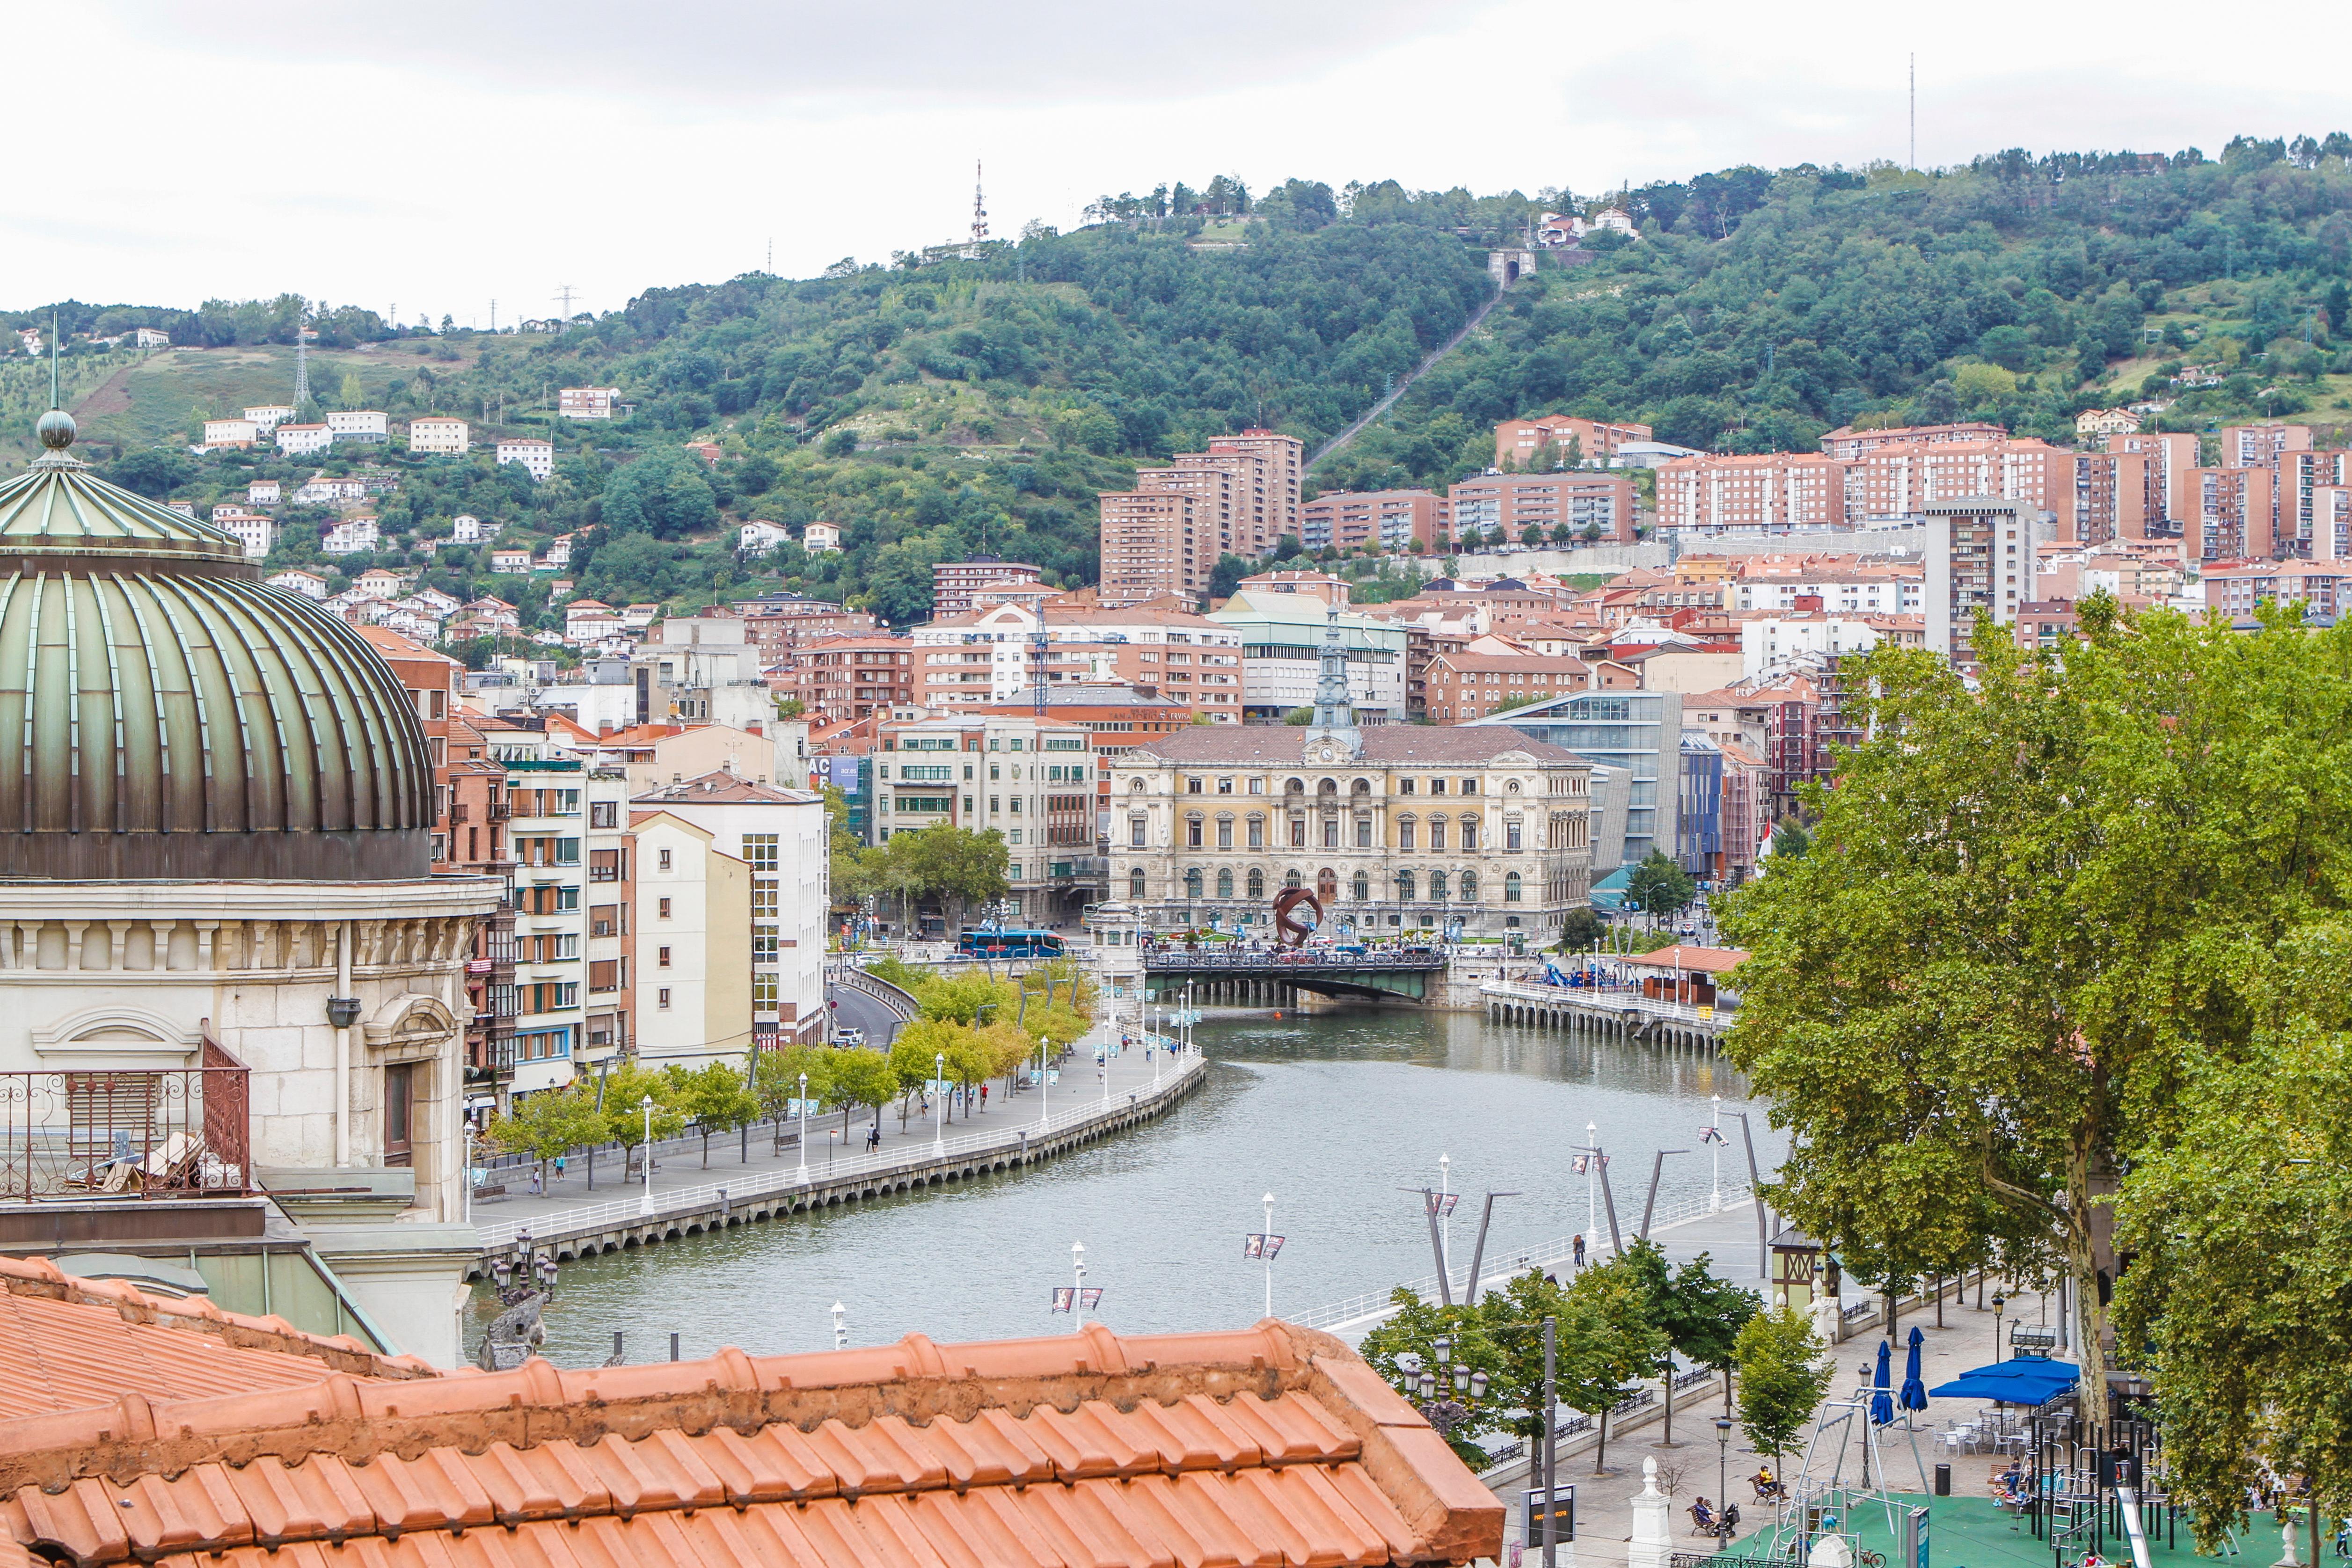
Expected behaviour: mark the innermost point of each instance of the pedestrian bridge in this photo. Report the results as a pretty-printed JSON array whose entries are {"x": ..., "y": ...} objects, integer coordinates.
[{"x": 1273, "y": 979}]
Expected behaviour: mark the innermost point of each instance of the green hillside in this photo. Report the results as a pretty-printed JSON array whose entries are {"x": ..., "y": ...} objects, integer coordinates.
[{"x": 980, "y": 404}]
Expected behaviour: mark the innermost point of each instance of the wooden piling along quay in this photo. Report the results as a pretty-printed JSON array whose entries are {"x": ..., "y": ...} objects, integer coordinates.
[
  {"x": 613, "y": 1226},
  {"x": 1620, "y": 1015}
]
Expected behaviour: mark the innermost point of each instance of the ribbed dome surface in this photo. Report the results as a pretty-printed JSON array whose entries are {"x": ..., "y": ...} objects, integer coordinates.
[{"x": 173, "y": 716}]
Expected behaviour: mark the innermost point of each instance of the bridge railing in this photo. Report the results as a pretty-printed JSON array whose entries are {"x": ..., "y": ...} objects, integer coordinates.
[
  {"x": 857, "y": 980},
  {"x": 1283, "y": 962},
  {"x": 1611, "y": 999}
]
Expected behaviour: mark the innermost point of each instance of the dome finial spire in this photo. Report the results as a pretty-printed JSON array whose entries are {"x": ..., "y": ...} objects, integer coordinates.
[{"x": 55, "y": 428}]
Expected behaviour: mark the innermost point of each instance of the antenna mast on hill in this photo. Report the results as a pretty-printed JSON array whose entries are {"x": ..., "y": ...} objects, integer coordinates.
[
  {"x": 302, "y": 362},
  {"x": 979, "y": 208},
  {"x": 564, "y": 292}
]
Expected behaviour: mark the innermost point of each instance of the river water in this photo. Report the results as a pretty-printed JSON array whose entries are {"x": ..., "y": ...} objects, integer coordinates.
[{"x": 1332, "y": 1114}]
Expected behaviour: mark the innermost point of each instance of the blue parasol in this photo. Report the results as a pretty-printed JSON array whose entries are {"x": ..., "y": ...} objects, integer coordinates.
[
  {"x": 1881, "y": 1404},
  {"x": 1915, "y": 1388}
]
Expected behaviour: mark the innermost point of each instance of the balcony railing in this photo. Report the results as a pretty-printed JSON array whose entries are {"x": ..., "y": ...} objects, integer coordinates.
[
  {"x": 460, "y": 813},
  {"x": 499, "y": 811},
  {"x": 174, "y": 1132}
]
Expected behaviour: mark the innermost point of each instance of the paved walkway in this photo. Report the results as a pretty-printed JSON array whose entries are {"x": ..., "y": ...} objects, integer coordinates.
[
  {"x": 1604, "y": 1514},
  {"x": 679, "y": 1164}
]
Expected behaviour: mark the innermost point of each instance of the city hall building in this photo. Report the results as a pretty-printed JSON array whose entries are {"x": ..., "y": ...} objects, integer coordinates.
[{"x": 1395, "y": 828}]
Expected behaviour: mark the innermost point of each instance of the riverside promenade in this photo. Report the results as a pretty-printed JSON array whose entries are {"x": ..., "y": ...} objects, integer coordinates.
[{"x": 780, "y": 1178}]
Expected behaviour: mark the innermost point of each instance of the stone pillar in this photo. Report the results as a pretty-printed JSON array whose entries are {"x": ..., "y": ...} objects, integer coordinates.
[{"x": 1652, "y": 1540}]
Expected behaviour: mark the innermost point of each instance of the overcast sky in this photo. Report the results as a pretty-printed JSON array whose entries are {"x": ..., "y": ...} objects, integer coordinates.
[{"x": 435, "y": 155}]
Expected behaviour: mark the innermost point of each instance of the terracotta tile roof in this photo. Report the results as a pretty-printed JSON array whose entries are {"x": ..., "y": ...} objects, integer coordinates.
[
  {"x": 74, "y": 1345},
  {"x": 1707, "y": 960},
  {"x": 1271, "y": 1445}
]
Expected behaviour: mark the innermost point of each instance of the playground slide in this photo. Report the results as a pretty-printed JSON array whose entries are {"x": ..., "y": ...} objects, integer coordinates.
[{"x": 2133, "y": 1532}]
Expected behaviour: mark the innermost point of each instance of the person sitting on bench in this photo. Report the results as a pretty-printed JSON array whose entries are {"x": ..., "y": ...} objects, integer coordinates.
[
  {"x": 1703, "y": 1519},
  {"x": 1768, "y": 1488}
]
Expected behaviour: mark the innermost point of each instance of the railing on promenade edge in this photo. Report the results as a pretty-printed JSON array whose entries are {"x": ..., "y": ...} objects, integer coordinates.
[{"x": 1606, "y": 998}]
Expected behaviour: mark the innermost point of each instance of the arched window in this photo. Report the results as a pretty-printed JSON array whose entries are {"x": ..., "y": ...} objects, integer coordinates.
[
  {"x": 1225, "y": 884},
  {"x": 1134, "y": 882},
  {"x": 1437, "y": 885},
  {"x": 1469, "y": 887},
  {"x": 1511, "y": 888},
  {"x": 1192, "y": 882},
  {"x": 1405, "y": 885},
  {"x": 1327, "y": 885},
  {"x": 1326, "y": 789},
  {"x": 1362, "y": 888},
  {"x": 1295, "y": 787},
  {"x": 1361, "y": 787},
  {"x": 1290, "y": 877},
  {"x": 1256, "y": 883}
]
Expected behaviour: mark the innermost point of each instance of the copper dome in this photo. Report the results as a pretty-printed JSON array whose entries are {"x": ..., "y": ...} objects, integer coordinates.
[{"x": 175, "y": 717}]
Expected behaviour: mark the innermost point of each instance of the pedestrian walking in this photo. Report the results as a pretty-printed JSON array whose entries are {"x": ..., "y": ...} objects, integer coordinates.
[
  {"x": 558, "y": 1167},
  {"x": 1576, "y": 1249},
  {"x": 534, "y": 1181}
]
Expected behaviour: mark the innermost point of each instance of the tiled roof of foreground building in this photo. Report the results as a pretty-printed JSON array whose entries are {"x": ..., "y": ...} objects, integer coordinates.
[
  {"x": 71, "y": 1344},
  {"x": 1273, "y": 1445}
]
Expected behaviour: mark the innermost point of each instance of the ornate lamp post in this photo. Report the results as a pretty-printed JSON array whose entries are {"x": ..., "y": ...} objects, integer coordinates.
[
  {"x": 645, "y": 1204},
  {"x": 803, "y": 1110},
  {"x": 940, "y": 1109},
  {"x": 1723, "y": 1462}
]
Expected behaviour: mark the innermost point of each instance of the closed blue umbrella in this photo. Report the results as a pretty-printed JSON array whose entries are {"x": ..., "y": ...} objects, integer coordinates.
[
  {"x": 1915, "y": 1388},
  {"x": 1881, "y": 1404}
]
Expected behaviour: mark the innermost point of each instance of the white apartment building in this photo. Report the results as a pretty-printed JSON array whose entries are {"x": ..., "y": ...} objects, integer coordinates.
[
  {"x": 439, "y": 434},
  {"x": 253, "y": 529},
  {"x": 267, "y": 417},
  {"x": 360, "y": 424},
  {"x": 263, "y": 493},
  {"x": 351, "y": 536},
  {"x": 991, "y": 656},
  {"x": 221, "y": 434},
  {"x": 1772, "y": 643},
  {"x": 587, "y": 402},
  {"x": 549, "y": 797},
  {"x": 782, "y": 835},
  {"x": 466, "y": 528},
  {"x": 821, "y": 537},
  {"x": 510, "y": 562},
  {"x": 609, "y": 1022},
  {"x": 754, "y": 537},
  {"x": 301, "y": 440},
  {"x": 380, "y": 582},
  {"x": 1899, "y": 589},
  {"x": 693, "y": 924},
  {"x": 308, "y": 584},
  {"x": 559, "y": 553},
  {"x": 538, "y": 458}
]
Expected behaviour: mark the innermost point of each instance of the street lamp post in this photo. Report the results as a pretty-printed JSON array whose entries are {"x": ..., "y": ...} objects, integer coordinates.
[
  {"x": 1714, "y": 1142},
  {"x": 1997, "y": 1303},
  {"x": 1445, "y": 1212},
  {"x": 803, "y": 1106},
  {"x": 939, "y": 1105},
  {"x": 1592, "y": 1185},
  {"x": 1268, "y": 1253},
  {"x": 645, "y": 1204},
  {"x": 1044, "y": 1107},
  {"x": 1723, "y": 1462}
]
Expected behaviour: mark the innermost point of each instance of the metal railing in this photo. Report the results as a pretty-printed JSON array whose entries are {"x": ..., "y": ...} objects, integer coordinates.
[
  {"x": 683, "y": 1200},
  {"x": 171, "y": 1131},
  {"x": 1608, "y": 999},
  {"x": 899, "y": 1002},
  {"x": 1294, "y": 958},
  {"x": 1542, "y": 1255}
]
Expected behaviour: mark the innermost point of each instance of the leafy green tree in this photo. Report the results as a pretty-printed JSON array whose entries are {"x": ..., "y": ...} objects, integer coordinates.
[
  {"x": 2236, "y": 1302},
  {"x": 714, "y": 1097},
  {"x": 625, "y": 1121},
  {"x": 1614, "y": 1342},
  {"x": 1658, "y": 886},
  {"x": 663, "y": 493},
  {"x": 546, "y": 1125},
  {"x": 1784, "y": 1374},
  {"x": 1698, "y": 1314},
  {"x": 1581, "y": 930},
  {"x": 861, "y": 1077},
  {"x": 351, "y": 394}
]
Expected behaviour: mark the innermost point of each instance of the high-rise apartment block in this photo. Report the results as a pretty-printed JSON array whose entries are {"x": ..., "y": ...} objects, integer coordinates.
[
  {"x": 1239, "y": 497},
  {"x": 2232, "y": 520},
  {"x": 1849, "y": 442},
  {"x": 1770, "y": 493},
  {"x": 1512, "y": 504},
  {"x": 1981, "y": 557}
]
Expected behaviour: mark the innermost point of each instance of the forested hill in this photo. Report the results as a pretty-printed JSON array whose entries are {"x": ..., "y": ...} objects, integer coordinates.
[{"x": 946, "y": 404}]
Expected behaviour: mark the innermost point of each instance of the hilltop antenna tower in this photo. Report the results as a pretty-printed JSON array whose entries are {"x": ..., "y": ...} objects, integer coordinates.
[
  {"x": 564, "y": 292},
  {"x": 302, "y": 362},
  {"x": 979, "y": 208}
]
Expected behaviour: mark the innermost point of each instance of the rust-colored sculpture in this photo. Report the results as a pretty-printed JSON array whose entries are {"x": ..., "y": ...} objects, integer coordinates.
[{"x": 1289, "y": 930}]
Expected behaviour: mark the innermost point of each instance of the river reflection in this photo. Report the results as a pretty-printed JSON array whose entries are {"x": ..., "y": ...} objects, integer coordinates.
[{"x": 1332, "y": 1114}]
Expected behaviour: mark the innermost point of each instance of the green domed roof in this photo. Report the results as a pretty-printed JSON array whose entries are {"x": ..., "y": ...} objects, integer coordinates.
[{"x": 176, "y": 717}]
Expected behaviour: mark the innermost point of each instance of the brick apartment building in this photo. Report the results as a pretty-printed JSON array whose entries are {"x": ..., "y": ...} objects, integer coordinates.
[
  {"x": 1549, "y": 441},
  {"x": 1384, "y": 521},
  {"x": 2233, "y": 515},
  {"x": 1769, "y": 493},
  {"x": 1164, "y": 536},
  {"x": 1155, "y": 542},
  {"x": 1848, "y": 442},
  {"x": 953, "y": 582},
  {"x": 850, "y": 677},
  {"x": 1516, "y": 503}
]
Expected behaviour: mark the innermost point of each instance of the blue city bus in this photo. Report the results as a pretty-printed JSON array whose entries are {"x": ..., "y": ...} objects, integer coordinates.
[{"x": 1008, "y": 942}]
